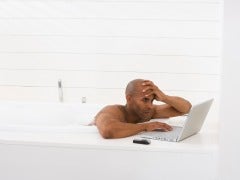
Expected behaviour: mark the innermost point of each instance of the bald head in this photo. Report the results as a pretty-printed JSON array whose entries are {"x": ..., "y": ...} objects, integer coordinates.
[{"x": 133, "y": 86}]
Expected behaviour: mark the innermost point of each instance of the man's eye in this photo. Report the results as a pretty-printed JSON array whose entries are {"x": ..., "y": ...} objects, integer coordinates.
[{"x": 145, "y": 99}]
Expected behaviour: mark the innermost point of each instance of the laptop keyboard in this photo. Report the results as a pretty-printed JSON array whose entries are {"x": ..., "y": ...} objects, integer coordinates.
[{"x": 161, "y": 135}]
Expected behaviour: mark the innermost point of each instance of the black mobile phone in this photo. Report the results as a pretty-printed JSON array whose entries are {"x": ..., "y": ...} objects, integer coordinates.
[{"x": 142, "y": 141}]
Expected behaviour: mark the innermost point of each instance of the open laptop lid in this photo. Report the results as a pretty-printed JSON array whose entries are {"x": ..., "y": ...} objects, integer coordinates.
[{"x": 195, "y": 119}]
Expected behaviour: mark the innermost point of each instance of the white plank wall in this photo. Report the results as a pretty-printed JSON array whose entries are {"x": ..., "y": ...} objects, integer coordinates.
[{"x": 96, "y": 46}]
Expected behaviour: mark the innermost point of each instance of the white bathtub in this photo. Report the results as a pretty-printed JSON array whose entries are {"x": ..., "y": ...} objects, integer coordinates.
[
  {"x": 51, "y": 141},
  {"x": 47, "y": 117}
]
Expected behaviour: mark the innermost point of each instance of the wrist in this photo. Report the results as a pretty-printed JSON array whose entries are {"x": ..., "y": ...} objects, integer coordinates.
[
  {"x": 164, "y": 98},
  {"x": 143, "y": 127}
]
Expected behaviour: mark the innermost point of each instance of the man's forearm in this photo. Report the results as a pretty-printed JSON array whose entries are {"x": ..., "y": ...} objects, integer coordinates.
[
  {"x": 128, "y": 129},
  {"x": 120, "y": 130},
  {"x": 178, "y": 103}
]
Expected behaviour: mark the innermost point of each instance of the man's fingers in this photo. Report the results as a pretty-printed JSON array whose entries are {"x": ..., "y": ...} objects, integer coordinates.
[
  {"x": 166, "y": 127},
  {"x": 169, "y": 128},
  {"x": 148, "y": 92},
  {"x": 147, "y": 89},
  {"x": 158, "y": 125},
  {"x": 163, "y": 126},
  {"x": 147, "y": 82}
]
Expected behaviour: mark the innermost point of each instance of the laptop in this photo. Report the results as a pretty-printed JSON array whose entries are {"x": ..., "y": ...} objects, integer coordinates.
[{"x": 192, "y": 125}]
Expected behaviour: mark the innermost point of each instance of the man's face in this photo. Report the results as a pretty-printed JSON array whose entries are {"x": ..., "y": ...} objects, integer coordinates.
[{"x": 141, "y": 105}]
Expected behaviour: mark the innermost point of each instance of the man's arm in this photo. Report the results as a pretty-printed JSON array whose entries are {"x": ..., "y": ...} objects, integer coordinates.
[
  {"x": 174, "y": 106},
  {"x": 111, "y": 127}
]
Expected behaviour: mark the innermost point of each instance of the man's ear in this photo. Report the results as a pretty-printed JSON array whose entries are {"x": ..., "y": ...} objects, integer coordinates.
[{"x": 128, "y": 98}]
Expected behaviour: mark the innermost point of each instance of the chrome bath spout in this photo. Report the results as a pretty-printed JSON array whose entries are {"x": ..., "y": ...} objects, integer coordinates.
[{"x": 60, "y": 91}]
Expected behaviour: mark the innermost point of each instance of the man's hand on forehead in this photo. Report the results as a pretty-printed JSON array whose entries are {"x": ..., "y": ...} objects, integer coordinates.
[
  {"x": 147, "y": 82},
  {"x": 148, "y": 87},
  {"x": 151, "y": 89}
]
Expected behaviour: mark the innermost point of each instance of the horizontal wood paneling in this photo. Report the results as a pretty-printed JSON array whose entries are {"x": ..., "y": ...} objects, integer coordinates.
[
  {"x": 104, "y": 62},
  {"x": 115, "y": 96},
  {"x": 46, "y": 94},
  {"x": 148, "y": 28},
  {"x": 48, "y": 78},
  {"x": 194, "y": 47},
  {"x": 167, "y": 81},
  {"x": 112, "y": 9},
  {"x": 109, "y": 80}
]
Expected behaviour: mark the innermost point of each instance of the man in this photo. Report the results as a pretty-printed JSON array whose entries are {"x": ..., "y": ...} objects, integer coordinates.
[{"x": 118, "y": 121}]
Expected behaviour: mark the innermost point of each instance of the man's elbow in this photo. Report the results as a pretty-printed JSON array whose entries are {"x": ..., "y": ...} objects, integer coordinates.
[
  {"x": 188, "y": 108},
  {"x": 106, "y": 133}
]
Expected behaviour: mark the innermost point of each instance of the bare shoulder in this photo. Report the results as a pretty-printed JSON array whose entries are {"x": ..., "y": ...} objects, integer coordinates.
[
  {"x": 111, "y": 108},
  {"x": 112, "y": 111}
]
